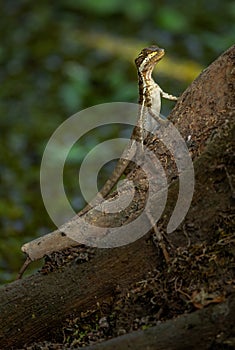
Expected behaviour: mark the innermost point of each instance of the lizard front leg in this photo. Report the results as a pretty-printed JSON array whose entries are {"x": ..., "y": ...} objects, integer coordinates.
[{"x": 168, "y": 96}]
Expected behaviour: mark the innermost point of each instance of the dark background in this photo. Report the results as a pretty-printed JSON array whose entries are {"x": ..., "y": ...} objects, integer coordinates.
[{"x": 57, "y": 59}]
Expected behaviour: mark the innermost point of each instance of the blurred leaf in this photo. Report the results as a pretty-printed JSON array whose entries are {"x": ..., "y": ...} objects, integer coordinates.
[
  {"x": 171, "y": 19},
  {"x": 138, "y": 10},
  {"x": 99, "y": 7},
  {"x": 73, "y": 91},
  {"x": 216, "y": 41}
]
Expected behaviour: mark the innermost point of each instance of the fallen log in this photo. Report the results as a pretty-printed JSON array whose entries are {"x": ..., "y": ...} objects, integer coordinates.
[{"x": 209, "y": 328}]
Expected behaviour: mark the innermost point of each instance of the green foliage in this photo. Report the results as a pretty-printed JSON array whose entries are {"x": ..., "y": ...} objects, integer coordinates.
[
  {"x": 172, "y": 19},
  {"x": 51, "y": 68},
  {"x": 102, "y": 7}
]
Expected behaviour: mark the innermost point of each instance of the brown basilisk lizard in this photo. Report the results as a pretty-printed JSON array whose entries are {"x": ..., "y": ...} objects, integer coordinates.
[{"x": 150, "y": 95}]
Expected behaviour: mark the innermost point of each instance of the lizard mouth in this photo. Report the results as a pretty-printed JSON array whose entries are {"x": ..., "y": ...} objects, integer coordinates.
[
  {"x": 159, "y": 54},
  {"x": 155, "y": 54}
]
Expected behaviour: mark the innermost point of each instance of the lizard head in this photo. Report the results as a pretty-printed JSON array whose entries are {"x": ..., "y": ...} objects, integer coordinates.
[{"x": 148, "y": 57}]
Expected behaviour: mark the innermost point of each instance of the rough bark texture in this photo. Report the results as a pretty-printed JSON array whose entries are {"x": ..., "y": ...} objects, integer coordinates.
[{"x": 32, "y": 307}]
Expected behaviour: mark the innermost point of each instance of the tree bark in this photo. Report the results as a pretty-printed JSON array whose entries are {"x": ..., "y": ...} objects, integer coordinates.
[{"x": 32, "y": 307}]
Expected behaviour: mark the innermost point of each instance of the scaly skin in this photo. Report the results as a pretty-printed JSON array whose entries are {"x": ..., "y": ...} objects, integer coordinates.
[{"x": 150, "y": 95}]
